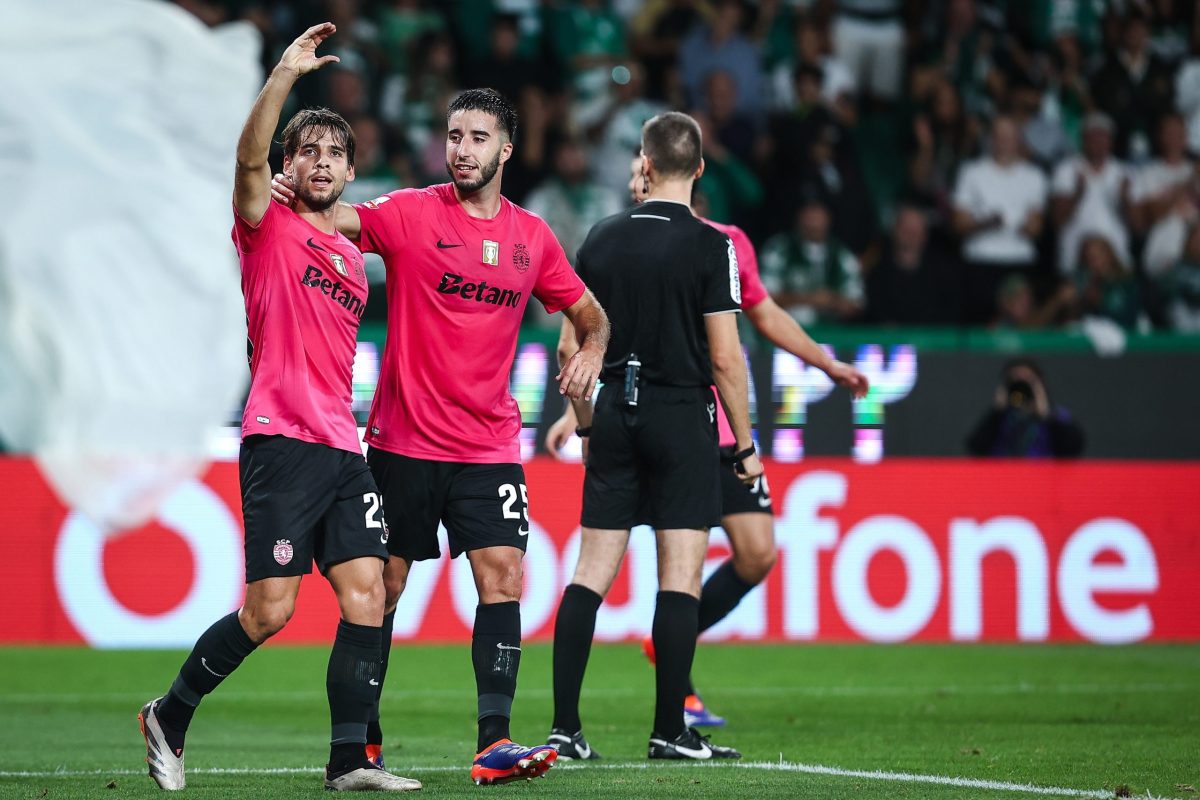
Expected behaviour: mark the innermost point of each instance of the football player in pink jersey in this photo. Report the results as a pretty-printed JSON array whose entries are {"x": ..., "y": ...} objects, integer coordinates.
[
  {"x": 307, "y": 492},
  {"x": 746, "y": 515},
  {"x": 462, "y": 263}
]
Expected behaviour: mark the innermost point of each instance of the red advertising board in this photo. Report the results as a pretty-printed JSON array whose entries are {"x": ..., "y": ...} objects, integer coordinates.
[{"x": 925, "y": 550}]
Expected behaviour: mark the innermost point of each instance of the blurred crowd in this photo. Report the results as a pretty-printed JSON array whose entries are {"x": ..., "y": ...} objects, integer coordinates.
[{"x": 1021, "y": 164}]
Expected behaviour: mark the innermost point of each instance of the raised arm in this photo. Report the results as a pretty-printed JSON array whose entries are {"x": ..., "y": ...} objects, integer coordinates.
[
  {"x": 729, "y": 373},
  {"x": 252, "y": 178},
  {"x": 783, "y": 331}
]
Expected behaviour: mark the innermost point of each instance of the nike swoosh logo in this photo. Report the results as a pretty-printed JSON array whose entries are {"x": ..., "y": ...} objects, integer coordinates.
[
  {"x": 373, "y": 682},
  {"x": 764, "y": 502},
  {"x": 316, "y": 246},
  {"x": 506, "y": 647},
  {"x": 522, "y": 532},
  {"x": 443, "y": 246},
  {"x": 204, "y": 664},
  {"x": 702, "y": 752},
  {"x": 585, "y": 751}
]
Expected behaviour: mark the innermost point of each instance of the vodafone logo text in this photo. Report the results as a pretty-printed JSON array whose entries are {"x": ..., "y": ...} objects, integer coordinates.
[{"x": 906, "y": 550}]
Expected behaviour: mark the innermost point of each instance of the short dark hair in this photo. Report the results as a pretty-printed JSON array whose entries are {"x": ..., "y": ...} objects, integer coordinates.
[
  {"x": 315, "y": 123},
  {"x": 671, "y": 141},
  {"x": 488, "y": 101}
]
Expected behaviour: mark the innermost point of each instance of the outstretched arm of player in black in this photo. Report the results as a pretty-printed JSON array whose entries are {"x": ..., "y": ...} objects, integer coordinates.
[
  {"x": 729, "y": 373},
  {"x": 252, "y": 179},
  {"x": 783, "y": 331}
]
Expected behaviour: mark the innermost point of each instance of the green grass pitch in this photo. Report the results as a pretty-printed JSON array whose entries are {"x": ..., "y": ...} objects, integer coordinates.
[{"x": 822, "y": 721}]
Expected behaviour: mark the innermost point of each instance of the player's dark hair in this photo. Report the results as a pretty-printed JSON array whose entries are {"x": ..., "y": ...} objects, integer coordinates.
[
  {"x": 313, "y": 123},
  {"x": 488, "y": 101},
  {"x": 672, "y": 142}
]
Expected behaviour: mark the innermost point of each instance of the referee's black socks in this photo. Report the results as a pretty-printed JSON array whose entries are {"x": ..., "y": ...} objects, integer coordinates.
[
  {"x": 496, "y": 656},
  {"x": 217, "y": 652},
  {"x": 351, "y": 683},
  {"x": 723, "y": 590},
  {"x": 674, "y": 634},
  {"x": 573, "y": 629}
]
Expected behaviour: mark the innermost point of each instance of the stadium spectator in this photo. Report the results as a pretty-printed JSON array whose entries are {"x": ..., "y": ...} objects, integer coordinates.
[
  {"x": 737, "y": 131},
  {"x": 1179, "y": 288},
  {"x": 810, "y": 45},
  {"x": 1104, "y": 286},
  {"x": 914, "y": 281},
  {"x": 588, "y": 39},
  {"x": 1017, "y": 307},
  {"x": 569, "y": 201},
  {"x": 999, "y": 202},
  {"x": 810, "y": 274},
  {"x": 868, "y": 37},
  {"x": 1091, "y": 194},
  {"x": 504, "y": 67},
  {"x": 809, "y": 146},
  {"x": 944, "y": 137},
  {"x": 619, "y": 129},
  {"x": 1164, "y": 198},
  {"x": 1134, "y": 87},
  {"x": 720, "y": 45},
  {"x": 401, "y": 24},
  {"x": 658, "y": 29},
  {"x": 1023, "y": 422},
  {"x": 733, "y": 190},
  {"x": 1042, "y": 133}
]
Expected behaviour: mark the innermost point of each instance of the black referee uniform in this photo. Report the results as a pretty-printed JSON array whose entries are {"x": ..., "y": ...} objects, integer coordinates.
[{"x": 658, "y": 271}]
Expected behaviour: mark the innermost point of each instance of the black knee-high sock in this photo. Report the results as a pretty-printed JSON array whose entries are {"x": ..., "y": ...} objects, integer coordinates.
[
  {"x": 496, "y": 656},
  {"x": 374, "y": 732},
  {"x": 574, "y": 627},
  {"x": 217, "y": 652},
  {"x": 350, "y": 682},
  {"x": 674, "y": 633},
  {"x": 723, "y": 590}
]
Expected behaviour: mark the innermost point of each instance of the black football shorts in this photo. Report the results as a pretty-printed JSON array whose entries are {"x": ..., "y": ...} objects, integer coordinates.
[
  {"x": 304, "y": 502},
  {"x": 737, "y": 497},
  {"x": 481, "y": 505},
  {"x": 655, "y": 463}
]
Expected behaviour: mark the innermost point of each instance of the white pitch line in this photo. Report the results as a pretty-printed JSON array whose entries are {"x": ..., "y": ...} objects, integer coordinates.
[
  {"x": 771, "y": 766},
  {"x": 734, "y": 691}
]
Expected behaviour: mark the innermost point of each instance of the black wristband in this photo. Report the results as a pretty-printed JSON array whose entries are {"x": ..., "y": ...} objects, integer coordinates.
[
  {"x": 583, "y": 432},
  {"x": 742, "y": 455}
]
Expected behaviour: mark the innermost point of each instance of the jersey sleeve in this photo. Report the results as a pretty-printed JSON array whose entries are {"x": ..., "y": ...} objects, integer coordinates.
[
  {"x": 753, "y": 291},
  {"x": 558, "y": 286},
  {"x": 251, "y": 238},
  {"x": 383, "y": 221},
  {"x": 722, "y": 285}
]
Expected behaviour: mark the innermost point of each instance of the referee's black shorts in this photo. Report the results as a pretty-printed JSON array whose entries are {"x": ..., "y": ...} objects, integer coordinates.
[{"x": 655, "y": 463}]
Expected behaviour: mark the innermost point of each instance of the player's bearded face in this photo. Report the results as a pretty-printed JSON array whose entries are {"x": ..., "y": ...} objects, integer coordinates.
[{"x": 478, "y": 177}]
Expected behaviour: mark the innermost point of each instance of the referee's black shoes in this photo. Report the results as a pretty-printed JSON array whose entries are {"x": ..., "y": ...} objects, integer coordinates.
[
  {"x": 571, "y": 746},
  {"x": 688, "y": 745}
]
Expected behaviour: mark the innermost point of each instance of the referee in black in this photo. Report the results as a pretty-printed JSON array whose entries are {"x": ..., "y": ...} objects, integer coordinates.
[{"x": 670, "y": 285}]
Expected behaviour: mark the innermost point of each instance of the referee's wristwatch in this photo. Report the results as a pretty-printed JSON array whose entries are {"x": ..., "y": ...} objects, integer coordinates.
[{"x": 583, "y": 431}]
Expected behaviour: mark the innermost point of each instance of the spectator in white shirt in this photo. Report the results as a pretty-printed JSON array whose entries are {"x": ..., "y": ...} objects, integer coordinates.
[
  {"x": 999, "y": 203},
  {"x": 1164, "y": 201},
  {"x": 1091, "y": 194}
]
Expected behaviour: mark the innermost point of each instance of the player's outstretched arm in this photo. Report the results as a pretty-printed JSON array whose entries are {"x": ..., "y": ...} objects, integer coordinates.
[
  {"x": 784, "y": 332},
  {"x": 579, "y": 373},
  {"x": 252, "y": 178},
  {"x": 729, "y": 373}
]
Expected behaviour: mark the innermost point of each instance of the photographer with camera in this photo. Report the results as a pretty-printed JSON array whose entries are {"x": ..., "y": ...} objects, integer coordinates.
[{"x": 1022, "y": 423}]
